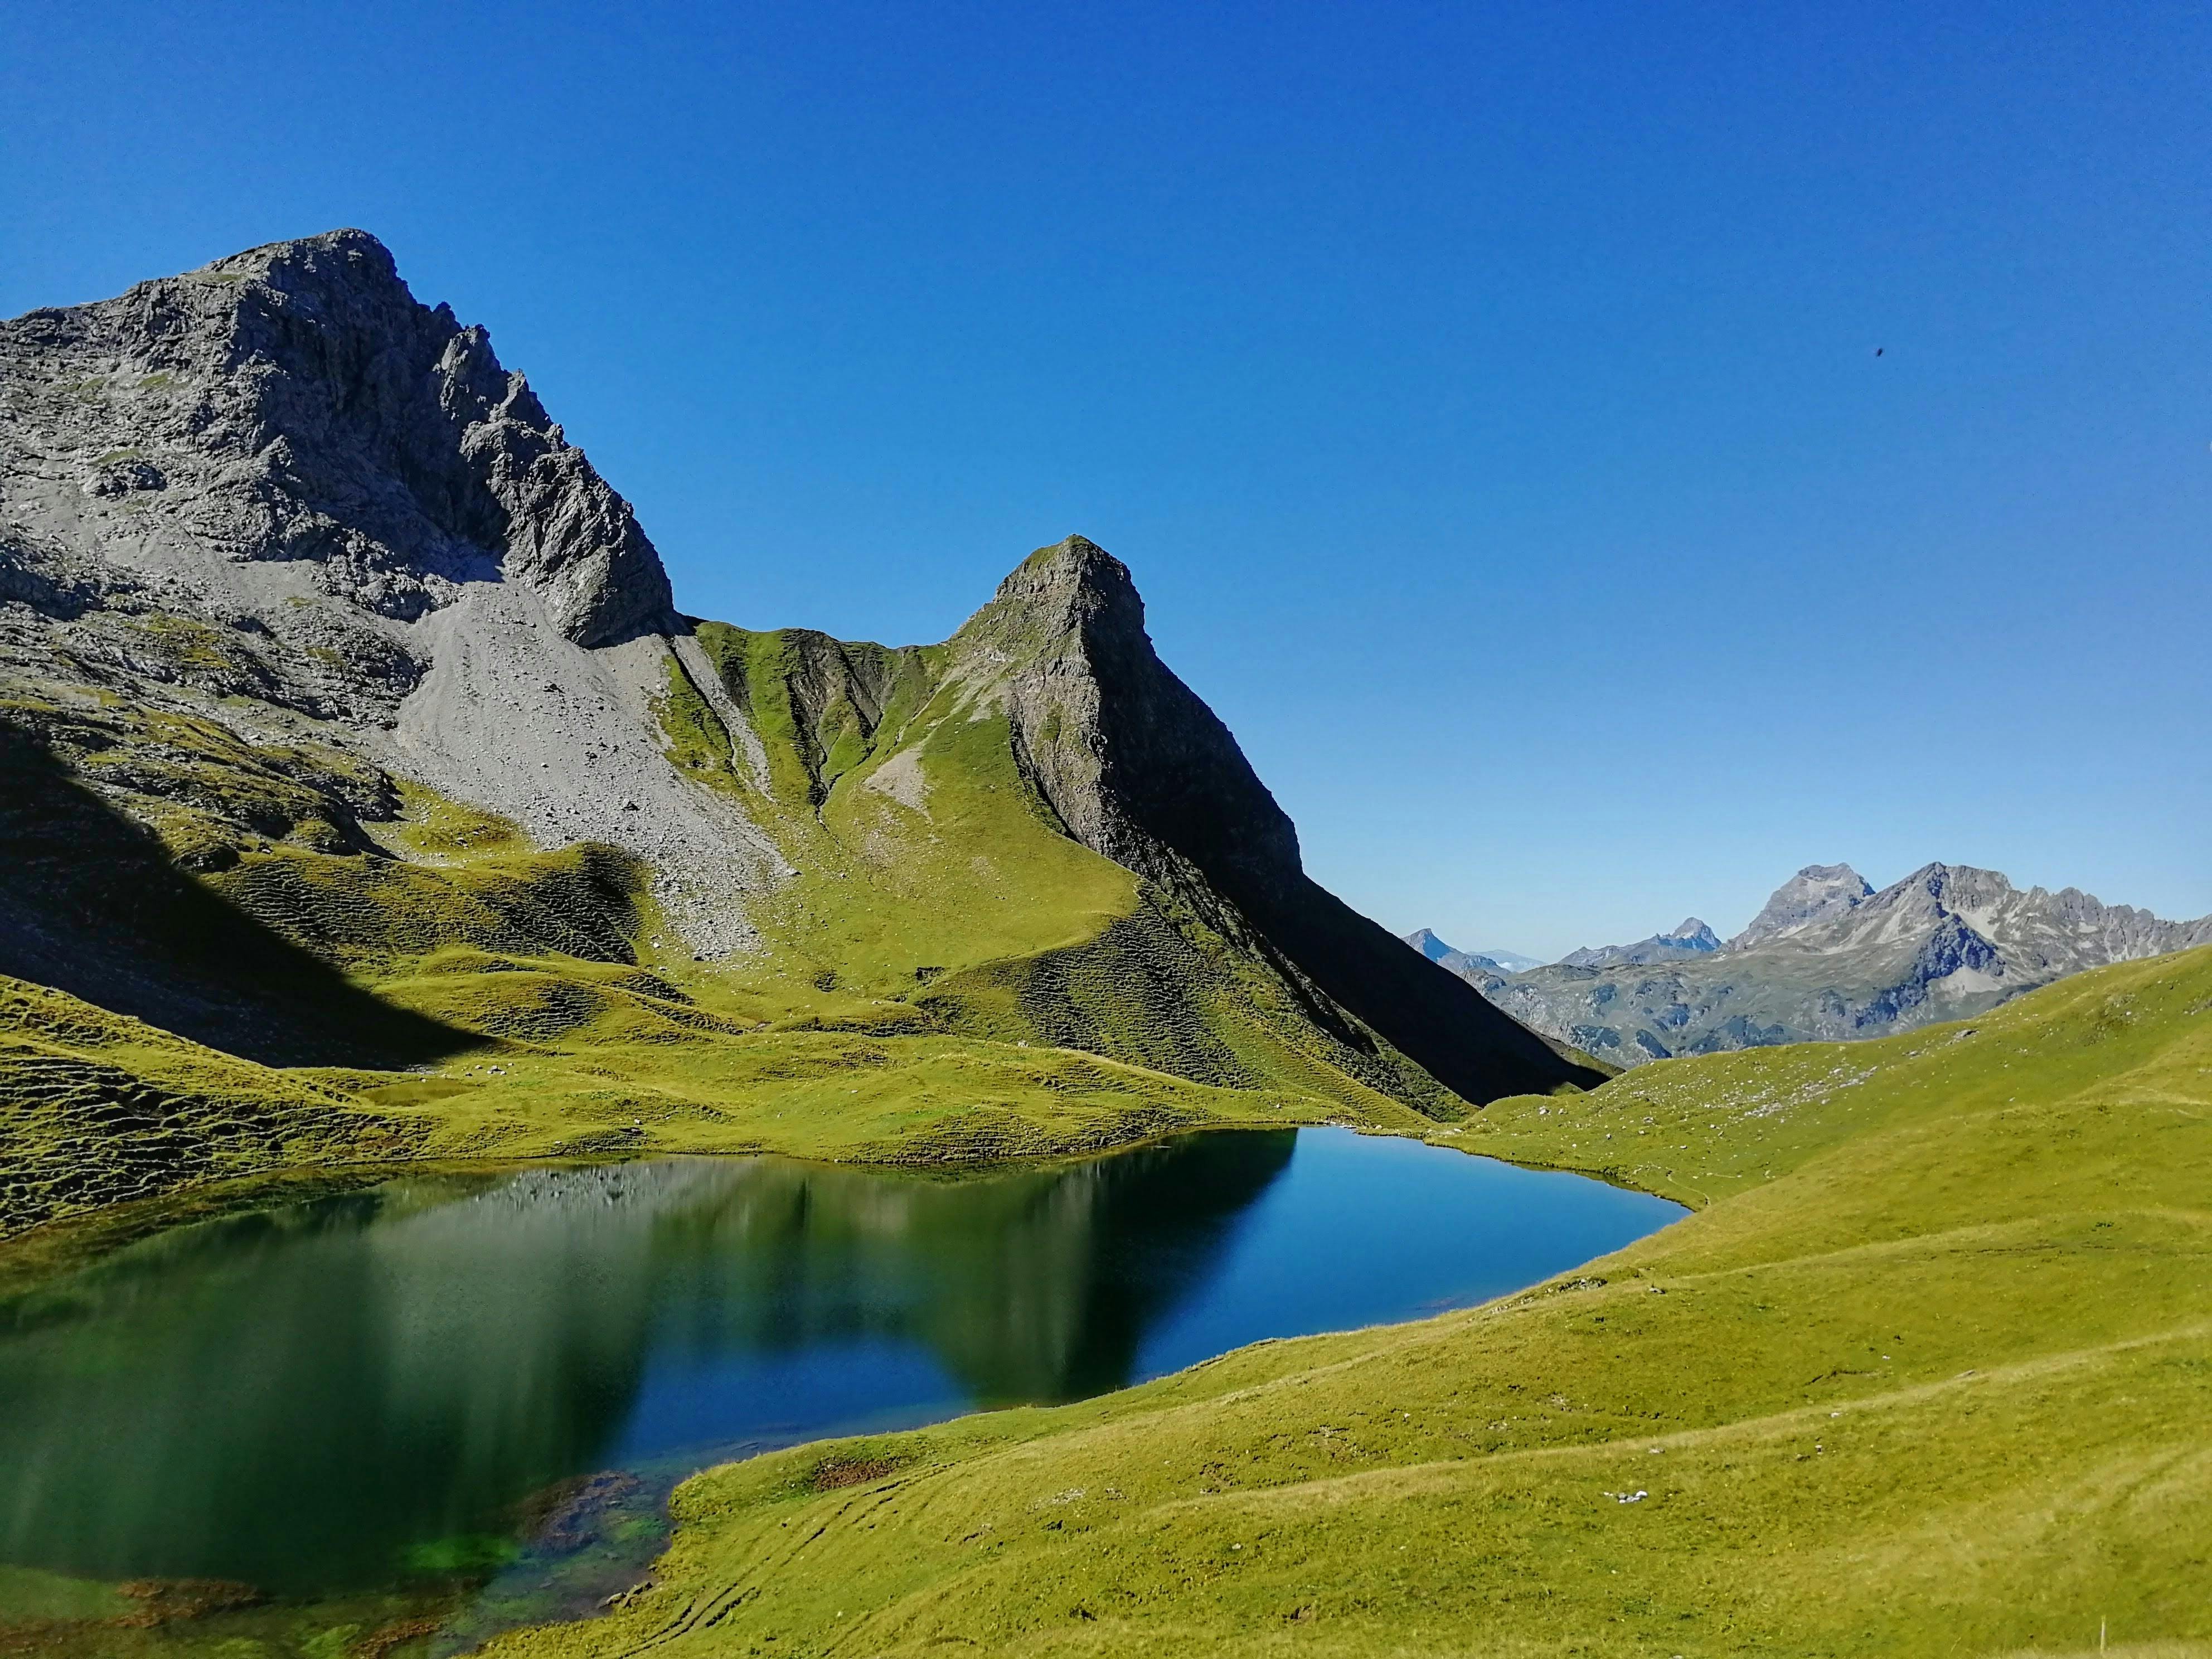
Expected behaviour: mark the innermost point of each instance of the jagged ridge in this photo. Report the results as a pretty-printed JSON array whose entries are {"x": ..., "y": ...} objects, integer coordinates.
[{"x": 295, "y": 403}]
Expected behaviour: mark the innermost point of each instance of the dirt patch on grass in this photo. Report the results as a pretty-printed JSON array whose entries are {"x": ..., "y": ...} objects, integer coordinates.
[{"x": 831, "y": 1473}]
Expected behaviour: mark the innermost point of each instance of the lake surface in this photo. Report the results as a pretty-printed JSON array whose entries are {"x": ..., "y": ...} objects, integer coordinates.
[{"x": 500, "y": 1376}]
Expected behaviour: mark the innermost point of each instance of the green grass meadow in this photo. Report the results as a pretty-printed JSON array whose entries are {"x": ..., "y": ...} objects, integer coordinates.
[{"x": 1929, "y": 1371}]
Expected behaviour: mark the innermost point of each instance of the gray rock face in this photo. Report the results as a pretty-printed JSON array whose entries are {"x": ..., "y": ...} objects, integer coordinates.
[
  {"x": 1827, "y": 959},
  {"x": 279, "y": 494},
  {"x": 1136, "y": 765},
  {"x": 1818, "y": 893},
  {"x": 294, "y": 404}
]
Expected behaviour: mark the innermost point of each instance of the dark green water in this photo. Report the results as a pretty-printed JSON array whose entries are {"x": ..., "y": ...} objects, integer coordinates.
[{"x": 345, "y": 1392}]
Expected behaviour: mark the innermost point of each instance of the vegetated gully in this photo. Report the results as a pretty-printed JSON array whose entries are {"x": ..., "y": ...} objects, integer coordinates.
[{"x": 483, "y": 1385}]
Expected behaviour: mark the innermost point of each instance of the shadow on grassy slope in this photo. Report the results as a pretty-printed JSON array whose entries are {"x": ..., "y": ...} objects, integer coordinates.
[{"x": 90, "y": 902}]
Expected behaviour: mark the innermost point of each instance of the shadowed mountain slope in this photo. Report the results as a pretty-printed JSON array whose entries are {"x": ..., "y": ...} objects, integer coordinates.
[{"x": 92, "y": 905}]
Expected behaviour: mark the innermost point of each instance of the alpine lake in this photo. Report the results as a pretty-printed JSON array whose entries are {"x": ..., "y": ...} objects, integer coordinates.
[{"x": 396, "y": 1420}]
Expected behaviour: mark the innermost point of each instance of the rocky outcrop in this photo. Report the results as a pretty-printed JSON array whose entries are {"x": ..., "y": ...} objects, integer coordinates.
[
  {"x": 280, "y": 493},
  {"x": 1828, "y": 958},
  {"x": 1816, "y": 894}
]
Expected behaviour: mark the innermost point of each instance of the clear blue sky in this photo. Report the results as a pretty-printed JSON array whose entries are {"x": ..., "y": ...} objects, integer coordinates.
[{"x": 1485, "y": 396}]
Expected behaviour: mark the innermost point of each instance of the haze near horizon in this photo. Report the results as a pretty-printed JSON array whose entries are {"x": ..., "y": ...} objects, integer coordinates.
[{"x": 1489, "y": 407}]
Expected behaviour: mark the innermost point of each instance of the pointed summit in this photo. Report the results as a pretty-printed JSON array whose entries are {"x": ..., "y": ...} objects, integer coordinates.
[
  {"x": 1074, "y": 585},
  {"x": 1429, "y": 944},
  {"x": 1136, "y": 767}
]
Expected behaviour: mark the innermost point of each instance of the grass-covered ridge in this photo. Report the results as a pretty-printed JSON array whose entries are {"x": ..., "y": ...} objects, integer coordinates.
[
  {"x": 99, "y": 1109},
  {"x": 1928, "y": 1373},
  {"x": 935, "y": 890}
]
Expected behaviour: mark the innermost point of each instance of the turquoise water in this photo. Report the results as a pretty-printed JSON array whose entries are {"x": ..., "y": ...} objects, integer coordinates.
[{"x": 501, "y": 1374}]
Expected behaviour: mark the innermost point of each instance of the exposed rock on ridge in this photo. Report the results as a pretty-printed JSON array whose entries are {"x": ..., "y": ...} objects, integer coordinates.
[
  {"x": 280, "y": 493},
  {"x": 1818, "y": 893},
  {"x": 1691, "y": 939}
]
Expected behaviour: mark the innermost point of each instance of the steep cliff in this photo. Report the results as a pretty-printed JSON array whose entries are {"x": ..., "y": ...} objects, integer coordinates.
[{"x": 1137, "y": 768}]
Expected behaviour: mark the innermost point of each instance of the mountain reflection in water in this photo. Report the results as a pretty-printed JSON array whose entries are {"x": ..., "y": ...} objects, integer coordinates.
[
  {"x": 387, "y": 1386},
  {"x": 295, "y": 1396}
]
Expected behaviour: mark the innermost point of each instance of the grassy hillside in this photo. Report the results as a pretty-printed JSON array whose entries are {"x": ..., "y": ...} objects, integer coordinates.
[
  {"x": 98, "y": 1108},
  {"x": 947, "y": 975},
  {"x": 1928, "y": 1372},
  {"x": 945, "y": 972}
]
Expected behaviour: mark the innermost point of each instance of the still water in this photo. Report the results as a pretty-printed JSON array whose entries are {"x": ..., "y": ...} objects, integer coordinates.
[{"x": 411, "y": 1378}]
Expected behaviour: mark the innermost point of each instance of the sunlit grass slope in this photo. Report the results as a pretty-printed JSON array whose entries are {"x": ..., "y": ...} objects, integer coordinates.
[
  {"x": 97, "y": 1109},
  {"x": 1930, "y": 1372}
]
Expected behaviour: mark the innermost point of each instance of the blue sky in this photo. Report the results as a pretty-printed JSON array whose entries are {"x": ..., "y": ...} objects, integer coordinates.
[{"x": 1485, "y": 397}]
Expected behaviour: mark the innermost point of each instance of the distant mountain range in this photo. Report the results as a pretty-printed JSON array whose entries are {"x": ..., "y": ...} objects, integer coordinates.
[
  {"x": 1691, "y": 939},
  {"x": 1827, "y": 958},
  {"x": 1459, "y": 961}
]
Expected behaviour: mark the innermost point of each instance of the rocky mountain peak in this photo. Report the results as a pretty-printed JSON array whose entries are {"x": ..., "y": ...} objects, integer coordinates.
[
  {"x": 1074, "y": 585},
  {"x": 296, "y": 403},
  {"x": 1693, "y": 937},
  {"x": 1135, "y": 764},
  {"x": 1429, "y": 944},
  {"x": 1817, "y": 893},
  {"x": 1960, "y": 883},
  {"x": 1136, "y": 767},
  {"x": 1830, "y": 958},
  {"x": 1475, "y": 967}
]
